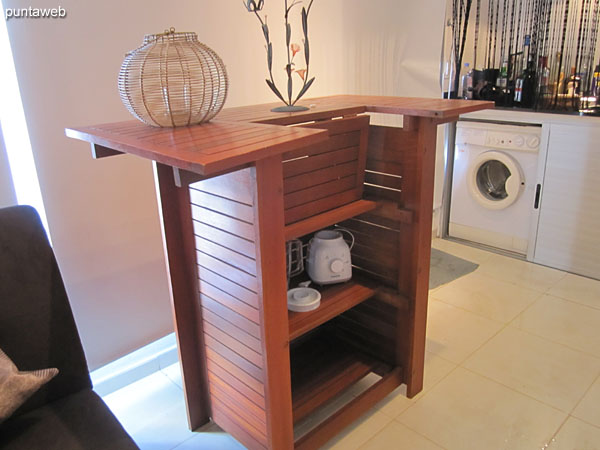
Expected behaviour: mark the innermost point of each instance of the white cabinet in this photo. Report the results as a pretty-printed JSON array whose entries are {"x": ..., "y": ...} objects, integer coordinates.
[{"x": 568, "y": 235}]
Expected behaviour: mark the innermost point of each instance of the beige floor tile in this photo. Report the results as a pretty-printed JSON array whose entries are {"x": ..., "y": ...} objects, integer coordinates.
[
  {"x": 589, "y": 407},
  {"x": 436, "y": 369},
  {"x": 397, "y": 436},
  {"x": 361, "y": 431},
  {"x": 454, "y": 333},
  {"x": 462, "y": 251},
  {"x": 549, "y": 372},
  {"x": 576, "y": 435},
  {"x": 522, "y": 273},
  {"x": 578, "y": 289},
  {"x": 467, "y": 411},
  {"x": 562, "y": 321},
  {"x": 487, "y": 296}
]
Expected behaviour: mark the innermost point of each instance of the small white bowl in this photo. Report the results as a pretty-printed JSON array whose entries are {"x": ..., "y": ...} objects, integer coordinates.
[{"x": 302, "y": 299}]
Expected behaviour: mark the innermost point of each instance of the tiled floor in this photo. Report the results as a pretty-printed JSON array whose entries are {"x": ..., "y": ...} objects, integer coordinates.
[{"x": 513, "y": 362}]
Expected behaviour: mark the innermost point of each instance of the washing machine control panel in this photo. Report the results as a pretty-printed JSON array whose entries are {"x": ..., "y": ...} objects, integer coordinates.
[{"x": 526, "y": 142}]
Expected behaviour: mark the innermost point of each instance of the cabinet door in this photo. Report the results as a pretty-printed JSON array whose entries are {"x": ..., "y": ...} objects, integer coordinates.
[{"x": 568, "y": 235}]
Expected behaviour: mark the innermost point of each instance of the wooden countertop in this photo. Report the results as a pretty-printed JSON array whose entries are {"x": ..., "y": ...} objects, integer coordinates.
[
  {"x": 240, "y": 136},
  {"x": 440, "y": 109}
]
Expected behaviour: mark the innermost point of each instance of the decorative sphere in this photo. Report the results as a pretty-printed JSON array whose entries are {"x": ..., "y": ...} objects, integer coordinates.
[{"x": 173, "y": 80}]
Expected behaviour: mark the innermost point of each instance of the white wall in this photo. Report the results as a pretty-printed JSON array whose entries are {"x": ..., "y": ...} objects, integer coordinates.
[
  {"x": 394, "y": 47},
  {"x": 102, "y": 214}
]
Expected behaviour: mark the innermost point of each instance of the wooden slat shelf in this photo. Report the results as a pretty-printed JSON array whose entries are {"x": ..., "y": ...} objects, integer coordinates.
[
  {"x": 335, "y": 300},
  {"x": 314, "y": 223},
  {"x": 325, "y": 430},
  {"x": 322, "y": 367}
]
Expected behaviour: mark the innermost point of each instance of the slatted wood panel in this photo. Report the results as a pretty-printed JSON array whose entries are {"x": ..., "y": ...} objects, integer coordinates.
[
  {"x": 385, "y": 156},
  {"x": 372, "y": 327},
  {"x": 375, "y": 249},
  {"x": 223, "y": 220},
  {"x": 328, "y": 175}
]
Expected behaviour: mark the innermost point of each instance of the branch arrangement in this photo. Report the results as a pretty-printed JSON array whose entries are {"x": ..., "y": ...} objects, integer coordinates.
[{"x": 292, "y": 49}]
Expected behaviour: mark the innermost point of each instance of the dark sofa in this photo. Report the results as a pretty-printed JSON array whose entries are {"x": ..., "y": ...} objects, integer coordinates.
[{"x": 37, "y": 330}]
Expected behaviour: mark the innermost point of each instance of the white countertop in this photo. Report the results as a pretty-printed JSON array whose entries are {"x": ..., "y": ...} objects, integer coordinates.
[{"x": 521, "y": 116}]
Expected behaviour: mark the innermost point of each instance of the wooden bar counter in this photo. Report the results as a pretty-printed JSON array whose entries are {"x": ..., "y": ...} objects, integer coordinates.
[{"x": 231, "y": 193}]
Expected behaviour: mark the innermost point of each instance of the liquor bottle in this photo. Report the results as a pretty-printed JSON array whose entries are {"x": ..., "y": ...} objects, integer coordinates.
[
  {"x": 518, "y": 90},
  {"x": 529, "y": 83},
  {"x": 502, "y": 80},
  {"x": 561, "y": 86},
  {"x": 574, "y": 83},
  {"x": 596, "y": 82},
  {"x": 467, "y": 83},
  {"x": 544, "y": 75}
]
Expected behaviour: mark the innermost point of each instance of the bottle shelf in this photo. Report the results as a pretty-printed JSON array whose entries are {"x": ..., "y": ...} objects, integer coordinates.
[
  {"x": 323, "y": 367},
  {"x": 335, "y": 299},
  {"x": 315, "y": 223}
]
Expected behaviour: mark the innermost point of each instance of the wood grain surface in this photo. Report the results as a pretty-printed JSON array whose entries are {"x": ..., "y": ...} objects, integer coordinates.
[{"x": 243, "y": 135}]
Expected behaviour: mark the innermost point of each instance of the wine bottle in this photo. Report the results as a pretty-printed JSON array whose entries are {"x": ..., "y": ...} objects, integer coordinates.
[
  {"x": 502, "y": 80},
  {"x": 520, "y": 81},
  {"x": 544, "y": 75},
  {"x": 529, "y": 83},
  {"x": 467, "y": 83}
]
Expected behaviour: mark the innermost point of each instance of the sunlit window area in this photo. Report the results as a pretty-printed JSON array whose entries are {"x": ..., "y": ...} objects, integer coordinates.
[{"x": 14, "y": 130}]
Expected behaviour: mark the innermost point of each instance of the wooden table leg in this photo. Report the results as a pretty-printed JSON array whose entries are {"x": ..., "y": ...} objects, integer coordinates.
[
  {"x": 178, "y": 239},
  {"x": 418, "y": 180},
  {"x": 271, "y": 264}
]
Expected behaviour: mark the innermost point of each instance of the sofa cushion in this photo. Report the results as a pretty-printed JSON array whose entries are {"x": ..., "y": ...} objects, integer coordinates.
[
  {"x": 17, "y": 386},
  {"x": 79, "y": 421},
  {"x": 37, "y": 328}
]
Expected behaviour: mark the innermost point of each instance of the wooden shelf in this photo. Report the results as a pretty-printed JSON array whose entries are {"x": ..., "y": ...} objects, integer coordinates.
[
  {"x": 314, "y": 223},
  {"x": 335, "y": 300},
  {"x": 322, "y": 367}
]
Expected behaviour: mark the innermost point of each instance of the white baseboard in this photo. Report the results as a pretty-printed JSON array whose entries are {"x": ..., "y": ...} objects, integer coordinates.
[{"x": 136, "y": 365}]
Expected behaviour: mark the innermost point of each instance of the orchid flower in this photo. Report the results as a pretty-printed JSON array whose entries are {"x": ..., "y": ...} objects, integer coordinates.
[
  {"x": 302, "y": 73},
  {"x": 295, "y": 49}
]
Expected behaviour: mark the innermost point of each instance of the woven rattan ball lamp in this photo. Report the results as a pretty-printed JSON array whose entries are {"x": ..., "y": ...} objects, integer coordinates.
[{"x": 173, "y": 80}]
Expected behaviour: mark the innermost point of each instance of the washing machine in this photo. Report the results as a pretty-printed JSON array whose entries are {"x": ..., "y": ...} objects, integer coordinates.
[{"x": 494, "y": 184}]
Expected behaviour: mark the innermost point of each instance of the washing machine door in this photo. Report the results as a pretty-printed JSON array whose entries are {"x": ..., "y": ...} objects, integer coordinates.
[{"x": 495, "y": 180}]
